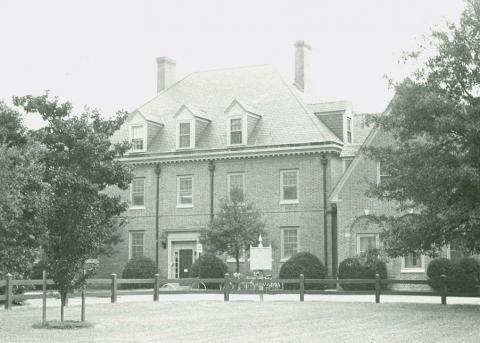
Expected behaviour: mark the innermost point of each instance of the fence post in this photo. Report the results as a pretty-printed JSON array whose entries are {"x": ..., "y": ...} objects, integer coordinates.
[
  {"x": 443, "y": 277},
  {"x": 84, "y": 289},
  {"x": 302, "y": 287},
  {"x": 226, "y": 288},
  {"x": 44, "y": 297},
  {"x": 114, "y": 288},
  {"x": 156, "y": 286},
  {"x": 8, "y": 292},
  {"x": 378, "y": 288}
]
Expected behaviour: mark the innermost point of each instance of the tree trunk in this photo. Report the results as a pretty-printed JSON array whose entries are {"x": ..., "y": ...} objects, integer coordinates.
[
  {"x": 238, "y": 263},
  {"x": 63, "y": 299}
]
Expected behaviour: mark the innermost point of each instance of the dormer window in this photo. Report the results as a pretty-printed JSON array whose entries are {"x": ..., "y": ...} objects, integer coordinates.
[
  {"x": 349, "y": 130},
  {"x": 184, "y": 135},
  {"x": 236, "y": 131},
  {"x": 138, "y": 138}
]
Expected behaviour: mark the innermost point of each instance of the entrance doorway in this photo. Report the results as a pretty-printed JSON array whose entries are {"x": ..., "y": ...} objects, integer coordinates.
[{"x": 183, "y": 256}]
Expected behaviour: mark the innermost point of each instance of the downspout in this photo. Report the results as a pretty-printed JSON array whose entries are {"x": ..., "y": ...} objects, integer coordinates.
[
  {"x": 333, "y": 211},
  {"x": 157, "y": 205},
  {"x": 324, "y": 161},
  {"x": 211, "y": 168}
]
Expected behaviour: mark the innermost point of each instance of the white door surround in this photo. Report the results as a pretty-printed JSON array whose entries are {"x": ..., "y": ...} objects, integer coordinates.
[{"x": 177, "y": 240}]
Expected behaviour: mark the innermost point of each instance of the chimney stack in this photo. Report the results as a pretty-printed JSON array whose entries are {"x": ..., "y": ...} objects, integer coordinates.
[
  {"x": 303, "y": 76},
  {"x": 165, "y": 73}
]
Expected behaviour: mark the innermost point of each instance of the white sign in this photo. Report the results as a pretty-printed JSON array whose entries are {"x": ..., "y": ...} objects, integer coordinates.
[
  {"x": 261, "y": 258},
  {"x": 199, "y": 248}
]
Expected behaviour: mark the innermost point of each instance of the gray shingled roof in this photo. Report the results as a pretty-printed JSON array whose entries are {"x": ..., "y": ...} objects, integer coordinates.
[{"x": 285, "y": 119}]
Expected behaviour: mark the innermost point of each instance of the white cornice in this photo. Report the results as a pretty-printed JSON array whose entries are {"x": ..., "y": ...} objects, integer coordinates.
[{"x": 233, "y": 153}]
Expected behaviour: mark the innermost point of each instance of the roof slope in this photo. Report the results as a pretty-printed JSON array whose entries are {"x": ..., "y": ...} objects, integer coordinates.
[{"x": 285, "y": 118}]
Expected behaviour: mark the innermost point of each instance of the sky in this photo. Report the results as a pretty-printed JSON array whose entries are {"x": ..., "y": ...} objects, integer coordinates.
[{"x": 101, "y": 54}]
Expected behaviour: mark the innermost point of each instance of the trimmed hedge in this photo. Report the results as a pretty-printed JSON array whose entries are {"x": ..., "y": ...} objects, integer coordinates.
[
  {"x": 140, "y": 267},
  {"x": 463, "y": 276},
  {"x": 364, "y": 266},
  {"x": 438, "y": 267},
  {"x": 303, "y": 263},
  {"x": 209, "y": 266}
]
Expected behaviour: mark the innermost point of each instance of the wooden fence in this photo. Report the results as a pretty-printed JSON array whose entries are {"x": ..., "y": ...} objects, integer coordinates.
[{"x": 226, "y": 287}]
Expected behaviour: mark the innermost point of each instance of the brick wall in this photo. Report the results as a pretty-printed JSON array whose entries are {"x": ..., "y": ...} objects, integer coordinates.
[{"x": 262, "y": 186}]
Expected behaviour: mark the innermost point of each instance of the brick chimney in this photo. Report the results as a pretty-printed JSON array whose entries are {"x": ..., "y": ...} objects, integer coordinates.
[
  {"x": 165, "y": 73},
  {"x": 303, "y": 78}
]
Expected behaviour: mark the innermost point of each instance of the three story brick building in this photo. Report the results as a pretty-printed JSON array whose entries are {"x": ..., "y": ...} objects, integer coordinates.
[{"x": 246, "y": 128}]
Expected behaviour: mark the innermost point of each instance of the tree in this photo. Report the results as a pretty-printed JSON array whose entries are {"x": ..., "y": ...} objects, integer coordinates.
[
  {"x": 23, "y": 196},
  {"x": 434, "y": 160},
  {"x": 80, "y": 163},
  {"x": 236, "y": 226}
]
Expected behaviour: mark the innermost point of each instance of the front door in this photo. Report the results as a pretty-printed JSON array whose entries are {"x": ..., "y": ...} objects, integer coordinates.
[{"x": 185, "y": 262}]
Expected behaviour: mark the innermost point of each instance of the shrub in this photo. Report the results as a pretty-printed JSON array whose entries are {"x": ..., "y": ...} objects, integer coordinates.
[
  {"x": 139, "y": 268},
  {"x": 209, "y": 266},
  {"x": 303, "y": 263},
  {"x": 463, "y": 276},
  {"x": 466, "y": 275},
  {"x": 438, "y": 267},
  {"x": 364, "y": 266}
]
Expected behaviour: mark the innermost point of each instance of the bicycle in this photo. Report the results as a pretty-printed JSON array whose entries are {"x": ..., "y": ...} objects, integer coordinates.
[{"x": 198, "y": 285}]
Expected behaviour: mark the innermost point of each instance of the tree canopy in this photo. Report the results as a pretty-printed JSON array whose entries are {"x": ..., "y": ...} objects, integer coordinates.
[
  {"x": 434, "y": 119},
  {"x": 24, "y": 195},
  {"x": 80, "y": 162},
  {"x": 234, "y": 228}
]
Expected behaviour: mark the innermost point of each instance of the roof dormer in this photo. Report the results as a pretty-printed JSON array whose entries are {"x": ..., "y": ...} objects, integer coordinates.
[
  {"x": 141, "y": 130},
  {"x": 191, "y": 122},
  {"x": 241, "y": 121}
]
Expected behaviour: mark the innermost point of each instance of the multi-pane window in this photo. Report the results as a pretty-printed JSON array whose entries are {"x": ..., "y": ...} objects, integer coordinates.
[
  {"x": 349, "y": 130},
  {"x": 236, "y": 183},
  {"x": 289, "y": 242},
  {"x": 136, "y": 244},
  {"x": 366, "y": 241},
  {"x": 413, "y": 261},
  {"x": 138, "y": 192},
  {"x": 185, "y": 191},
  {"x": 289, "y": 185},
  {"x": 184, "y": 135},
  {"x": 137, "y": 138},
  {"x": 382, "y": 174},
  {"x": 236, "y": 131}
]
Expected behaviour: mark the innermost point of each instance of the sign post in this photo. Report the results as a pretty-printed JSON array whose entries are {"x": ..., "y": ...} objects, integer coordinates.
[{"x": 260, "y": 260}]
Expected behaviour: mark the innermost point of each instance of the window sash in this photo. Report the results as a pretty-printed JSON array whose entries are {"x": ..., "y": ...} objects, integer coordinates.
[
  {"x": 236, "y": 131},
  {"x": 366, "y": 242},
  {"x": 138, "y": 192},
  {"x": 185, "y": 190},
  {"x": 290, "y": 185},
  {"x": 136, "y": 244},
  {"x": 349, "y": 130},
  {"x": 184, "y": 135},
  {"x": 413, "y": 261},
  {"x": 137, "y": 137},
  {"x": 235, "y": 181},
  {"x": 290, "y": 242}
]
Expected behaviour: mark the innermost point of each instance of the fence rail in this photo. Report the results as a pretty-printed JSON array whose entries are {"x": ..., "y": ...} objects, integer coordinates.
[{"x": 225, "y": 286}]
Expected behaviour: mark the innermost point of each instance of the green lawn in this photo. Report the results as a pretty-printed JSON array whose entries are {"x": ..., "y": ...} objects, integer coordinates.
[{"x": 248, "y": 321}]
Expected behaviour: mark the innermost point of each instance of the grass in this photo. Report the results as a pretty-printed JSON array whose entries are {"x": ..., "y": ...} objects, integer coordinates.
[
  {"x": 249, "y": 321},
  {"x": 65, "y": 325}
]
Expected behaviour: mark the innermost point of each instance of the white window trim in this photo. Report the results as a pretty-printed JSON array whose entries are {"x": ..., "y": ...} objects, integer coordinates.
[
  {"x": 180, "y": 205},
  {"x": 228, "y": 182},
  {"x": 360, "y": 235},
  {"x": 349, "y": 129},
  {"x": 287, "y": 202},
  {"x": 137, "y": 207},
  {"x": 243, "y": 118},
  {"x": 144, "y": 137},
  {"x": 130, "y": 241},
  {"x": 282, "y": 257},
  {"x": 192, "y": 134},
  {"x": 379, "y": 176},
  {"x": 403, "y": 269}
]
